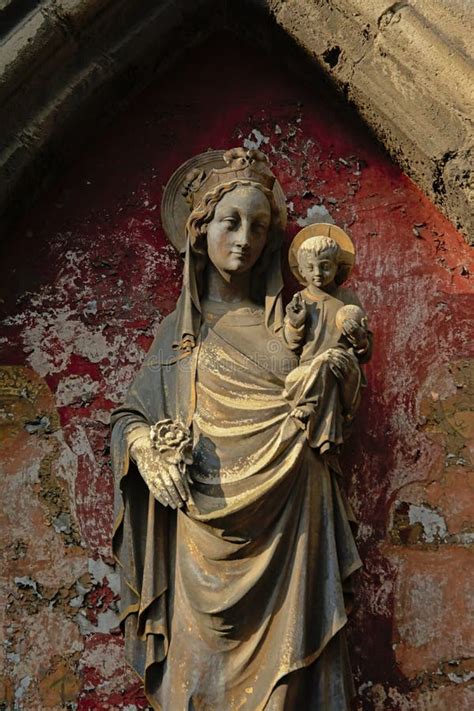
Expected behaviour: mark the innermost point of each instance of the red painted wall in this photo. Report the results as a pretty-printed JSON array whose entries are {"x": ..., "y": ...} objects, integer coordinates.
[{"x": 87, "y": 276}]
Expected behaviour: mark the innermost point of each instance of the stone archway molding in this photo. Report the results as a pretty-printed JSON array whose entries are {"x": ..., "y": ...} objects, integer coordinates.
[{"x": 405, "y": 66}]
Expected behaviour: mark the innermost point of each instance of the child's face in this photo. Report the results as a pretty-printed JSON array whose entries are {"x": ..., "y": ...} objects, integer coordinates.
[{"x": 317, "y": 270}]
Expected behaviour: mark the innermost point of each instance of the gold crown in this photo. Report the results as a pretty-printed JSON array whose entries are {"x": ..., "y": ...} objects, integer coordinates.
[{"x": 241, "y": 164}]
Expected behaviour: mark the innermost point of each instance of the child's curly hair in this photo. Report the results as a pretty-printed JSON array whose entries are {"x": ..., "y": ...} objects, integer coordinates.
[{"x": 317, "y": 245}]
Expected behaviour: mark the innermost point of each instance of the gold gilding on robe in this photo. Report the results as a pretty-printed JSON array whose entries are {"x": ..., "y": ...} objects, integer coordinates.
[{"x": 237, "y": 600}]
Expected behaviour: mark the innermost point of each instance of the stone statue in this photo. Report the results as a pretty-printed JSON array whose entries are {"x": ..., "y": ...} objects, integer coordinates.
[
  {"x": 232, "y": 535},
  {"x": 321, "y": 319}
]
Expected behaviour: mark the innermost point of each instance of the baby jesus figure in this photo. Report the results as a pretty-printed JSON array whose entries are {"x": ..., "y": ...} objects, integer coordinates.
[{"x": 321, "y": 320}]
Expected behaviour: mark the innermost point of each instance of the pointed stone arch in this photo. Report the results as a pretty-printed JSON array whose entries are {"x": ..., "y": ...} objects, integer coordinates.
[{"x": 404, "y": 66}]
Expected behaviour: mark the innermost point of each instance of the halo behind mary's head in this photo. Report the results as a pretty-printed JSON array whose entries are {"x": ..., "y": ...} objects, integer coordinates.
[{"x": 203, "y": 173}]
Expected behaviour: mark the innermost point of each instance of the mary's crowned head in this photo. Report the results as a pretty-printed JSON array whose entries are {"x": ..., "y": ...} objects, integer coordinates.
[
  {"x": 196, "y": 187},
  {"x": 227, "y": 210},
  {"x": 235, "y": 221}
]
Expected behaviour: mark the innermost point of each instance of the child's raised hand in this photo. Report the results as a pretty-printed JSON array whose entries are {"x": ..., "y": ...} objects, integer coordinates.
[{"x": 296, "y": 311}]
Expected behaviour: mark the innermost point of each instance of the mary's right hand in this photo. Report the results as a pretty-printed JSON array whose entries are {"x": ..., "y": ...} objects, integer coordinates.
[{"x": 165, "y": 481}]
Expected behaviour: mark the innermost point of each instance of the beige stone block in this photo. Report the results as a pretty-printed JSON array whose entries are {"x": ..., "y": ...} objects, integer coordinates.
[
  {"x": 80, "y": 12},
  {"x": 26, "y": 49}
]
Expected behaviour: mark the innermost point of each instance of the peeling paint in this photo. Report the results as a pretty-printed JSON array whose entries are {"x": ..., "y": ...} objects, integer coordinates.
[
  {"x": 432, "y": 523},
  {"x": 316, "y": 213},
  {"x": 76, "y": 390},
  {"x": 255, "y": 139}
]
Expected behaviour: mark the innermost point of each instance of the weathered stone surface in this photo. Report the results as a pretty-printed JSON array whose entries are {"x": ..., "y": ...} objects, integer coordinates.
[
  {"x": 79, "y": 13},
  {"x": 27, "y": 49},
  {"x": 406, "y": 66}
]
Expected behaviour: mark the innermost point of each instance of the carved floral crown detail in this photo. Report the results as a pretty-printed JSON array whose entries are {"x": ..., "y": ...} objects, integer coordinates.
[{"x": 241, "y": 164}]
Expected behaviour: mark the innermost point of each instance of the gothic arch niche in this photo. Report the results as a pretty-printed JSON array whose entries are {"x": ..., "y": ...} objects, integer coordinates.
[
  {"x": 88, "y": 275},
  {"x": 404, "y": 66}
]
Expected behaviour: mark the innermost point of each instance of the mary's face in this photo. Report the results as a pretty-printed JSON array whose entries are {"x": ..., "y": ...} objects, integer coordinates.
[{"x": 239, "y": 229}]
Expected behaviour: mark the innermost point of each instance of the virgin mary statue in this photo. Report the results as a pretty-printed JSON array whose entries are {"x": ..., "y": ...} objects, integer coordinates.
[{"x": 232, "y": 536}]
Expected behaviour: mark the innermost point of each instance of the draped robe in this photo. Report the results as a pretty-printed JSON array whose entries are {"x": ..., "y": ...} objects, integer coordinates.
[{"x": 236, "y": 601}]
